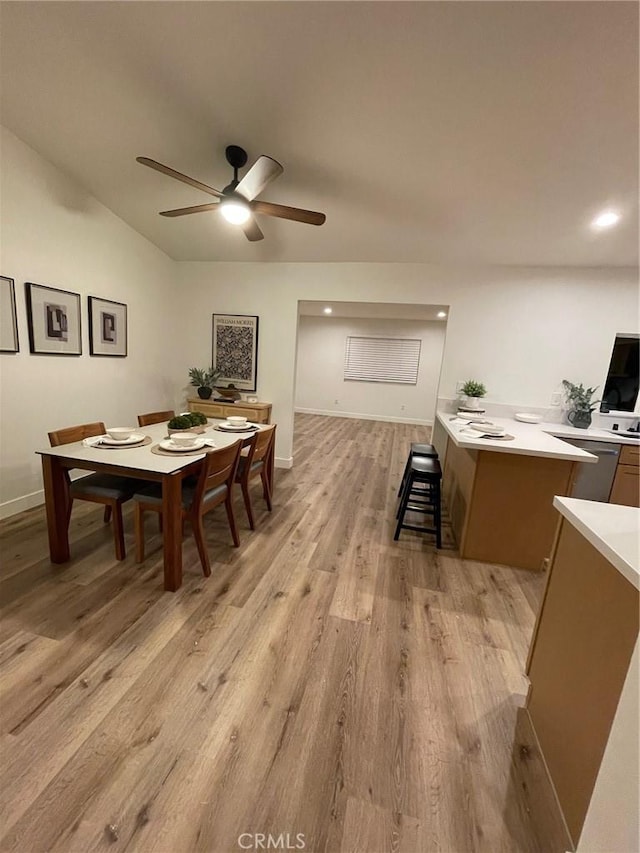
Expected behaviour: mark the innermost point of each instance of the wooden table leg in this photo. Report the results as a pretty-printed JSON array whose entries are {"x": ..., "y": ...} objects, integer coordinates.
[
  {"x": 271, "y": 462},
  {"x": 172, "y": 530},
  {"x": 56, "y": 500}
]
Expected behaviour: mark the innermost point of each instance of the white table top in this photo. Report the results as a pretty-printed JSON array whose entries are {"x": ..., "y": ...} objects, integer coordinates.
[
  {"x": 141, "y": 457},
  {"x": 529, "y": 440},
  {"x": 612, "y": 529}
]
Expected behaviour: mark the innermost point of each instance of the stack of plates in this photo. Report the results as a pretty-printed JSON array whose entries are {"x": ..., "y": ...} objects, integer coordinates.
[{"x": 467, "y": 410}]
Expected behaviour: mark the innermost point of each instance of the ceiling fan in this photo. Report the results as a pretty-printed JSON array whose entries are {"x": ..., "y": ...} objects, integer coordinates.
[{"x": 237, "y": 201}]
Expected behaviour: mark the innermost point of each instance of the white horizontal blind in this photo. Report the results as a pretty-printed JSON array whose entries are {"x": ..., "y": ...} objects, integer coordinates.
[{"x": 382, "y": 359}]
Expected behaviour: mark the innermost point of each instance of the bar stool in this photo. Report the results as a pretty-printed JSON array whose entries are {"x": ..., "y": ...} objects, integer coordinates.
[
  {"x": 417, "y": 449},
  {"x": 422, "y": 494}
]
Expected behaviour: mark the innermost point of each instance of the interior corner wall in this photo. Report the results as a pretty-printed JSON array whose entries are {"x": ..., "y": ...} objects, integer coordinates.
[
  {"x": 52, "y": 232},
  {"x": 320, "y": 384},
  {"x": 521, "y": 331}
]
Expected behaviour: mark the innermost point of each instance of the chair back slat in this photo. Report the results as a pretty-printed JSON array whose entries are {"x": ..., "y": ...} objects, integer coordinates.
[
  {"x": 75, "y": 433},
  {"x": 220, "y": 468},
  {"x": 260, "y": 445},
  {"x": 155, "y": 417}
]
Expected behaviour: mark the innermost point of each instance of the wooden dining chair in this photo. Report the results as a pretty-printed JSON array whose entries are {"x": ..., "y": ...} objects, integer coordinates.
[
  {"x": 257, "y": 462},
  {"x": 155, "y": 418},
  {"x": 107, "y": 489},
  {"x": 213, "y": 487}
]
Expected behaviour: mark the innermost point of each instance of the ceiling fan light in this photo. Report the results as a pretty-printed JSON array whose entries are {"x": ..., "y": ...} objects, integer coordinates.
[{"x": 235, "y": 212}]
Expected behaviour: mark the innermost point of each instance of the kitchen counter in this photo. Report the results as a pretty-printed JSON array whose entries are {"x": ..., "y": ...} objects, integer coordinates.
[
  {"x": 528, "y": 439},
  {"x": 500, "y": 493},
  {"x": 613, "y": 530},
  {"x": 581, "y": 657}
]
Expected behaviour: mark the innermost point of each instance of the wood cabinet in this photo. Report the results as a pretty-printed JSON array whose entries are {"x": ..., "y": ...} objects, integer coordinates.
[
  {"x": 580, "y": 656},
  {"x": 259, "y": 413},
  {"x": 626, "y": 485}
]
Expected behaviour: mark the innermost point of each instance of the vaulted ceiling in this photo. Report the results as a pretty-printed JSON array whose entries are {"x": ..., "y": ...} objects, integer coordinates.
[{"x": 439, "y": 132}]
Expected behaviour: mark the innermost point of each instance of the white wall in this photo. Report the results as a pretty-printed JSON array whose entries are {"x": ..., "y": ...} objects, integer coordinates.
[
  {"x": 54, "y": 233},
  {"x": 520, "y": 331},
  {"x": 612, "y": 823},
  {"x": 320, "y": 370}
]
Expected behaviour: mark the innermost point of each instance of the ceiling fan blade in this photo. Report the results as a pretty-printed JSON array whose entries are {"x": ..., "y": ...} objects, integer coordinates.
[
  {"x": 251, "y": 230},
  {"x": 310, "y": 217},
  {"x": 167, "y": 170},
  {"x": 263, "y": 171},
  {"x": 184, "y": 211}
]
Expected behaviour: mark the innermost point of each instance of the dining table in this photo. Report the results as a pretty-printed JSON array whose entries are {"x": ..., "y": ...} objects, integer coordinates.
[{"x": 142, "y": 461}]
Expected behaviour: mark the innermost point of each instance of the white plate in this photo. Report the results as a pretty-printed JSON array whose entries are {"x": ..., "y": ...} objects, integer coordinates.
[
  {"x": 466, "y": 416},
  {"x": 168, "y": 444},
  {"x": 474, "y": 433},
  {"x": 527, "y": 417},
  {"x": 136, "y": 438},
  {"x": 234, "y": 428}
]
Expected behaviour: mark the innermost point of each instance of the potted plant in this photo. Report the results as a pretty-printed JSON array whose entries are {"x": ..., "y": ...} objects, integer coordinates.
[
  {"x": 473, "y": 391},
  {"x": 204, "y": 380},
  {"x": 187, "y": 422},
  {"x": 580, "y": 404}
]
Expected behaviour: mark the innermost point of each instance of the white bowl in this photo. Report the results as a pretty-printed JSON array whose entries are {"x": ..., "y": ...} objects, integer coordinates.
[
  {"x": 236, "y": 420},
  {"x": 120, "y": 433},
  {"x": 184, "y": 439},
  {"x": 527, "y": 417}
]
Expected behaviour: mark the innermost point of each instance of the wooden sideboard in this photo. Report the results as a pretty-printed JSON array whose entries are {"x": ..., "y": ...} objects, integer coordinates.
[{"x": 259, "y": 413}]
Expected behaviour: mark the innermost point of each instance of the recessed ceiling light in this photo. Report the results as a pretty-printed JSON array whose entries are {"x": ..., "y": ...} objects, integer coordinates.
[
  {"x": 606, "y": 219},
  {"x": 442, "y": 313},
  {"x": 328, "y": 310}
]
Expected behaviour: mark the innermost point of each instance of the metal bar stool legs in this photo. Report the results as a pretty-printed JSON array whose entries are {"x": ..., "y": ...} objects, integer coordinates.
[{"x": 421, "y": 493}]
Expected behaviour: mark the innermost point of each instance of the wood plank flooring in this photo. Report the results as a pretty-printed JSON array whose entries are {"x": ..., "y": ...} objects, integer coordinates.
[{"x": 326, "y": 686}]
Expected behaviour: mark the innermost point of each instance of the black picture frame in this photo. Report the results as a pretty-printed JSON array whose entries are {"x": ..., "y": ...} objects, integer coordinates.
[
  {"x": 54, "y": 321},
  {"x": 108, "y": 332},
  {"x": 235, "y": 350},
  {"x": 9, "y": 341}
]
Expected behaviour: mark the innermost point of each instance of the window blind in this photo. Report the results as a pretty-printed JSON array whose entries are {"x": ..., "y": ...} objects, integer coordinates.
[{"x": 382, "y": 359}]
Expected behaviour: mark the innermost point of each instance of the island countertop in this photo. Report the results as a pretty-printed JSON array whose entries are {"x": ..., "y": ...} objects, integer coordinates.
[
  {"x": 612, "y": 529},
  {"x": 528, "y": 439}
]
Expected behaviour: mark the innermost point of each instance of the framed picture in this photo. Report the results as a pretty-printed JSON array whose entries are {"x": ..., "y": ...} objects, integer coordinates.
[
  {"x": 235, "y": 350},
  {"x": 107, "y": 327},
  {"x": 54, "y": 320},
  {"x": 8, "y": 316}
]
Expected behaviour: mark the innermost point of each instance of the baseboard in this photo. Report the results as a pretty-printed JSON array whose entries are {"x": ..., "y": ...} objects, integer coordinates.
[
  {"x": 283, "y": 462},
  {"x": 363, "y": 417},
  {"x": 13, "y": 507}
]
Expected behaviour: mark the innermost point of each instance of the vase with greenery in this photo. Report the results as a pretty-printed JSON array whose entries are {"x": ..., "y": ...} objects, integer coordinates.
[
  {"x": 188, "y": 421},
  {"x": 580, "y": 403},
  {"x": 204, "y": 379},
  {"x": 473, "y": 391}
]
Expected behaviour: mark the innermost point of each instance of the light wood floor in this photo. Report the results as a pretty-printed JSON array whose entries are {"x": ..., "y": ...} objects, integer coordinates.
[{"x": 323, "y": 681}]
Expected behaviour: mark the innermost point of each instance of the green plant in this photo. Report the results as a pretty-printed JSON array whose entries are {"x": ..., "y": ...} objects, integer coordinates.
[
  {"x": 203, "y": 377},
  {"x": 471, "y": 388},
  {"x": 197, "y": 418},
  {"x": 578, "y": 397},
  {"x": 180, "y": 422}
]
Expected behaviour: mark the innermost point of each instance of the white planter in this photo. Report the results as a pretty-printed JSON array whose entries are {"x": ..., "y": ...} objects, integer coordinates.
[{"x": 473, "y": 402}]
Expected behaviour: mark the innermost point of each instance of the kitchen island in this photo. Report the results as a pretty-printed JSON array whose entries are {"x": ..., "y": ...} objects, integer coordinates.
[
  {"x": 500, "y": 493},
  {"x": 583, "y": 699}
]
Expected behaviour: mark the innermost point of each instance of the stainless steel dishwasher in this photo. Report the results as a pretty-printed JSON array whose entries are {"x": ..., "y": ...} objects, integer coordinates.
[{"x": 595, "y": 479}]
